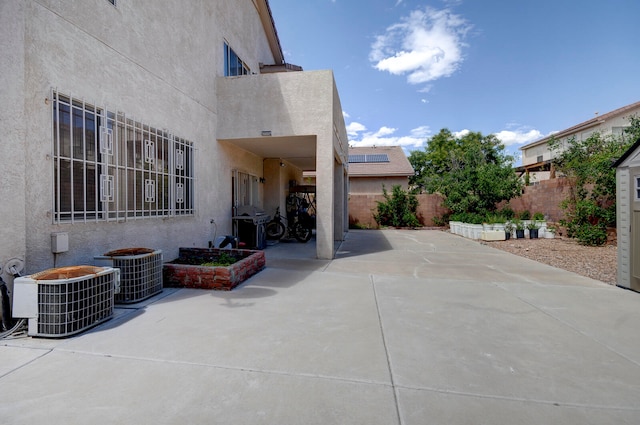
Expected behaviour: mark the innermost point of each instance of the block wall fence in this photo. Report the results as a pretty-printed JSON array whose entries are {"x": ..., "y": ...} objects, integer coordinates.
[{"x": 544, "y": 197}]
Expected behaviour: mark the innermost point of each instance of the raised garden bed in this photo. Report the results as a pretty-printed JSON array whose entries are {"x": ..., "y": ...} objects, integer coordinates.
[{"x": 194, "y": 268}]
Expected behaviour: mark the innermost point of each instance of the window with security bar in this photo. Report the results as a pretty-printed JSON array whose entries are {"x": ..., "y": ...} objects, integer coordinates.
[{"x": 108, "y": 166}]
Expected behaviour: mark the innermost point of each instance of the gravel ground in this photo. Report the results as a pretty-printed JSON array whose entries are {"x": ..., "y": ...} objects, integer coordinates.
[{"x": 598, "y": 263}]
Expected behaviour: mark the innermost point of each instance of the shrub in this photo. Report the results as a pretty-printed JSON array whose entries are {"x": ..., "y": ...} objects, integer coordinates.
[
  {"x": 524, "y": 215},
  {"x": 591, "y": 205},
  {"x": 538, "y": 216},
  {"x": 591, "y": 235},
  {"x": 439, "y": 221},
  {"x": 398, "y": 209},
  {"x": 507, "y": 212}
]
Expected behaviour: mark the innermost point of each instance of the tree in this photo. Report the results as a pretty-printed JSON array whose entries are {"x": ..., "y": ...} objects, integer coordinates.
[
  {"x": 591, "y": 205},
  {"x": 472, "y": 172}
]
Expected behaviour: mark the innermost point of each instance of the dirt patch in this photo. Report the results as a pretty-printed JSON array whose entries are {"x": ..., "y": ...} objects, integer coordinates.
[{"x": 599, "y": 263}]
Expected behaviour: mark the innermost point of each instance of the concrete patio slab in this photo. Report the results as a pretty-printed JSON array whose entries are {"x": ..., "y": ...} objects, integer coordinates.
[
  {"x": 476, "y": 338},
  {"x": 402, "y": 327},
  {"x": 101, "y": 389},
  {"x": 419, "y": 407}
]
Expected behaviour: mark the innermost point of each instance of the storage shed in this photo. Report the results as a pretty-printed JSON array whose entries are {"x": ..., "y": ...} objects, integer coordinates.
[{"x": 628, "y": 217}]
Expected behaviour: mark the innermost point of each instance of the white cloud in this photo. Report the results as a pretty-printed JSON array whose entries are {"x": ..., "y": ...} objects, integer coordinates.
[
  {"x": 519, "y": 136},
  {"x": 461, "y": 133},
  {"x": 422, "y": 131},
  {"x": 354, "y": 128},
  {"x": 345, "y": 114},
  {"x": 426, "y": 45},
  {"x": 385, "y": 136},
  {"x": 385, "y": 131}
]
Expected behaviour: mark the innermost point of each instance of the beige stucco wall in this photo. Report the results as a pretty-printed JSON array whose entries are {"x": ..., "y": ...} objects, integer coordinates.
[
  {"x": 156, "y": 61},
  {"x": 12, "y": 128},
  {"x": 292, "y": 105},
  {"x": 373, "y": 185}
]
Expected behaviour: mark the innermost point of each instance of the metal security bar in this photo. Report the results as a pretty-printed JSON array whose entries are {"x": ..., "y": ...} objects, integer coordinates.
[{"x": 108, "y": 166}]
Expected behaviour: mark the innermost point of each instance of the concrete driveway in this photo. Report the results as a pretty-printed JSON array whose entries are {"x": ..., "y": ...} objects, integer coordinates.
[{"x": 403, "y": 327}]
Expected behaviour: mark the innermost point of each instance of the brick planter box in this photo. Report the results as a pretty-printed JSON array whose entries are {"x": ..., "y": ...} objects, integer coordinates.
[{"x": 177, "y": 275}]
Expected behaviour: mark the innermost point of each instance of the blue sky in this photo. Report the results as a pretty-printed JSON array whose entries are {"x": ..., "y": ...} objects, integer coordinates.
[{"x": 519, "y": 69}]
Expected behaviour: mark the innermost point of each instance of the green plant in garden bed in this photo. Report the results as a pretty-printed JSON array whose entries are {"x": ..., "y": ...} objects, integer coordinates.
[
  {"x": 533, "y": 225},
  {"x": 223, "y": 260}
]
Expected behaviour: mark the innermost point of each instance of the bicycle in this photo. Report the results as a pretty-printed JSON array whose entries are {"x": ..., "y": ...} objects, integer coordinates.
[
  {"x": 298, "y": 226},
  {"x": 276, "y": 227}
]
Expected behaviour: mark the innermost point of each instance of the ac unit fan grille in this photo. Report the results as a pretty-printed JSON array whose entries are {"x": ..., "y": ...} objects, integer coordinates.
[
  {"x": 68, "y": 308},
  {"x": 140, "y": 277}
]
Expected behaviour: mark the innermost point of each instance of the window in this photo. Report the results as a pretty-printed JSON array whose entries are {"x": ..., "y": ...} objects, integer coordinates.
[
  {"x": 636, "y": 188},
  {"x": 109, "y": 167},
  {"x": 233, "y": 65},
  {"x": 618, "y": 131},
  {"x": 244, "y": 190}
]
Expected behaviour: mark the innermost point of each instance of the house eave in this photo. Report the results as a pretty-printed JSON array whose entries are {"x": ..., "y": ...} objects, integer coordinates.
[{"x": 270, "y": 29}]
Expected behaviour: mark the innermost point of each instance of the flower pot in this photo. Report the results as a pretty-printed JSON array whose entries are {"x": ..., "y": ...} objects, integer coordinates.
[
  {"x": 519, "y": 233},
  {"x": 475, "y": 231},
  {"x": 533, "y": 233}
]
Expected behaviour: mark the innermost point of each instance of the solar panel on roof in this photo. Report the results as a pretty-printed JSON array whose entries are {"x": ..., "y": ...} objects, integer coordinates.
[
  {"x": 357, "y": 158},
  {"x": 378, "y": 157},
  {"x": 371, "y": 158}
]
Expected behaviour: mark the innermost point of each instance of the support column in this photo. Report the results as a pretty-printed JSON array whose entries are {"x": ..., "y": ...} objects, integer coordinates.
[
  {"x": 339, "y": 201},
  {"x": 324, "y": 197}
]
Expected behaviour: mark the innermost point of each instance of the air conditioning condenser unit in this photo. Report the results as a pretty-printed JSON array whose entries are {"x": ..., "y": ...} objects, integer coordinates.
[{"x": 64, "y": 301}]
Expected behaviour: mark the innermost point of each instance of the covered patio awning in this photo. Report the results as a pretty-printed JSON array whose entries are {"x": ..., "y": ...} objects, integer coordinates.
[
  {"x": 298, "y": 150},
  {"x": 294, "y": 117}
]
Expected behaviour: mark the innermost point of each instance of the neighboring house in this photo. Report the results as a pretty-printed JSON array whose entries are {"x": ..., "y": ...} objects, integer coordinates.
[
  {"x": 537, "y": 156},
  {"x": 371, "y": 168},
  {"x": 129, "y": 123},
  {"x": 628, "y": 217}
]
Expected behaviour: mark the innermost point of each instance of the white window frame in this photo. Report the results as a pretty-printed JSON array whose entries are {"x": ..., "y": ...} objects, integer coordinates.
[{"x": 246, "y": 190}]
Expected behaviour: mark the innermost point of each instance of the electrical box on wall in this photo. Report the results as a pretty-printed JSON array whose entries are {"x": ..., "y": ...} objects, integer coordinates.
[{"x": 59, "y": 242}]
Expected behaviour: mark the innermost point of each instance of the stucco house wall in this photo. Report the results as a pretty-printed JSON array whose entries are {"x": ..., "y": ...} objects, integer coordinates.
[
  {"x": 13, "y": 202},
  {"x": 159, "y": 62},
  {"x": 373, "y": 185}
]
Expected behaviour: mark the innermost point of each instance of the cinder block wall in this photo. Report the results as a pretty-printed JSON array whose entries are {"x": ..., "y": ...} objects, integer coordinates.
[
  {"x": 544, "y": 197},
  {"x": 363, "y": 206}
]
